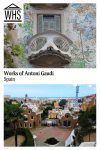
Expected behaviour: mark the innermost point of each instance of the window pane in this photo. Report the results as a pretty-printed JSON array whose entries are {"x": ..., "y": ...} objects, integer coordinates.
[{"x": 49, "y": 22}]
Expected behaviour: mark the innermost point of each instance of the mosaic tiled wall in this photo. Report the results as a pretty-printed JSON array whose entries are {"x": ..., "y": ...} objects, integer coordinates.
[
  {"x": 81, "y": 23},
  {"x": 79, "y": 26}
]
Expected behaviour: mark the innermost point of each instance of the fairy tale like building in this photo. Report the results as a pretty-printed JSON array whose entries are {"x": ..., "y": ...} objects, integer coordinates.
[
  {"x": 32, "y": 116},
  {"x": 53, "y": 35}
]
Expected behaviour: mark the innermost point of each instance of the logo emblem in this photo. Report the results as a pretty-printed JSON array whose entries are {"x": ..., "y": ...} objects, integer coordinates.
[{"x": 12, "y": 13}]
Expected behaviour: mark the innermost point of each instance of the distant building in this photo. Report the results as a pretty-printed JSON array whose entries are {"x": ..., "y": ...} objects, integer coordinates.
[
  {"x": 72, "y": 104},
  {"x": 56, "y": 104},
  {"x": 7, "y": 98},
  {"x": 13, "y": 101},
  {"x": 52, "y": 114}
]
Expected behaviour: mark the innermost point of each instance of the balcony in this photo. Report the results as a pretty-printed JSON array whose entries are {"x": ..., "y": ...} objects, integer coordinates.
[
  {"x": 49, "y": 49},
  {"x": 50, "y": 6}
]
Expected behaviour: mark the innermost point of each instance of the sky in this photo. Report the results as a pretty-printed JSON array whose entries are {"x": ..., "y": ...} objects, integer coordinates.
[{"x": 48, "y": 90}]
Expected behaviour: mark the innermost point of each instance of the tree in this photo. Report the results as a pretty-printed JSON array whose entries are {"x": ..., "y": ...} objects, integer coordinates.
[
  {"x": 45, "y": 112},
  {"x": 12, "y": 115},
  {"x": 71, "y": 109},
  {"x": 92, "y": 114},
  {"x": 85, "y": 121},
  {"x": 62, "y": 103}
]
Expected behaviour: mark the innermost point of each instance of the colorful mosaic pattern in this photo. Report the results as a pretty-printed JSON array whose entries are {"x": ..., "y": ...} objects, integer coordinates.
[{"x": 80, "y": 27}]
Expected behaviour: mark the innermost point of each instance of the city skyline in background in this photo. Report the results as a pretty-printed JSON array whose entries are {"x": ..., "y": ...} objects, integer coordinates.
[{"x": 49, "y": 90}]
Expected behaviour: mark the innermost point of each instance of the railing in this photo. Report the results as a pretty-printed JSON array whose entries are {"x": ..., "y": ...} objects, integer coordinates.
[{"x": 49, "y": 39}]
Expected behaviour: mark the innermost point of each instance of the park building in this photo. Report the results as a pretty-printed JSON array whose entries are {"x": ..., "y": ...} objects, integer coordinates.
[
  {"x": 63, "y": 118},
  {"x": 52, "y": 114},
  {"x": 67, "y": 119},
  {"x": 53, "y": 35},
  {"x": 32, "y": 116}
]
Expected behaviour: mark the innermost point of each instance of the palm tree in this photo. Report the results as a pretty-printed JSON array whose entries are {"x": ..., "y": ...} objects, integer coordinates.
[{"x": 12, "y": 115}]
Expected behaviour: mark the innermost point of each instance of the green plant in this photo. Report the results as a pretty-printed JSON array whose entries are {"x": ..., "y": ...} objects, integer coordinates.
[
  {"x": 8, "y": 60},
  {"x": 44, "y": 115},
  {"x": 63, "y": 102},
  {"x": 86, "y": 120},
  {"x": 79, "y": 137},
  {"x": 17, "y": 50},
  {"x": 8, "y": 132},
  {"x": 71, "y": 109},
  {"x": 12, "y": 114},
  {"x": 6, "y": 39},
  {"x": 28, "y": 137},
  {"x": 20, "y": 24}
]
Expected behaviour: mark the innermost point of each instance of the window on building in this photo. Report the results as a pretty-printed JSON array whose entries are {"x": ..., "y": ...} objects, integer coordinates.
[
  {"x": 32, "y": 117},
  {"x": 29, "y": 111},
  {"x": 48, "y": 22},
  {"x": 66, "y": 115},
  {"x": 25, "y": 119},
  {"x": 25, "y": 125},
  {"x": 30, "y": 125}
]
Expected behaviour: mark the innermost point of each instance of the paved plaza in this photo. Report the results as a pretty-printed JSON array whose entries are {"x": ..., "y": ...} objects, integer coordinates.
[
  {"x": 43, "y": 133},
  {"x": 11, "y": 140}
]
